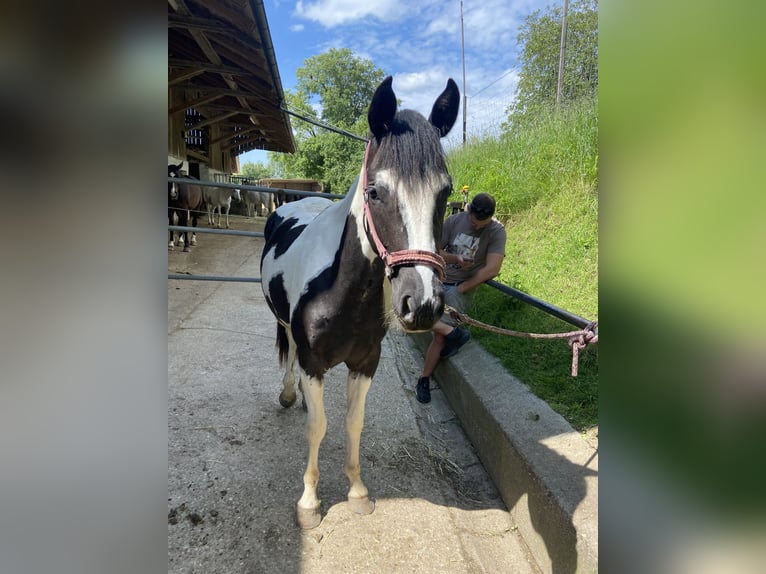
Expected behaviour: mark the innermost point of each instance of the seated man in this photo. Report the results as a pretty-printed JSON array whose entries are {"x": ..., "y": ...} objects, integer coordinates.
[{"x": 473, "y": 247}]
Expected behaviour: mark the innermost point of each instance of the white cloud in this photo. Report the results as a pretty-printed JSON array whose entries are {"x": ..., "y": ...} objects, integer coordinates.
[
  {"x": 331, "y": 13},
  {"x": 420, "y": 44},
  {"x": 419, "y": 90},
  {"x": 297, "y": 28}
]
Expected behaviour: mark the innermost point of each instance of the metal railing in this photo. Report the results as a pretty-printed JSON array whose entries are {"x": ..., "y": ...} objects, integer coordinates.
[
  {"x": 549, "y": 308},
  {"x": 247, "y": 186}
]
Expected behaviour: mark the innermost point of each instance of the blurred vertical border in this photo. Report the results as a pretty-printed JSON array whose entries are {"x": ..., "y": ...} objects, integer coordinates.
[
  {"x": 683, "y": 269},
  {"x": 83, "y": 297},
  {"x": 83, "y": 100}
]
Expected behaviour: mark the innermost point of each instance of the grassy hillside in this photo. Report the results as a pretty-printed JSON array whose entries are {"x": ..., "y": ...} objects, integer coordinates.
[{"x": 544, "y": 176}]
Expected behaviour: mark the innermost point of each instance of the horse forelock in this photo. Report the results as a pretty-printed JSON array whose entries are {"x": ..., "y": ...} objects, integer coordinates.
[
  {"x": 412, "y": 148},
  {"x": 410, "y": 161}
]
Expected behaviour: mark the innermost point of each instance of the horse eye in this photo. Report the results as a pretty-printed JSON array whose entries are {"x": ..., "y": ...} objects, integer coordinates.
[{"x": 372, "y": 193}]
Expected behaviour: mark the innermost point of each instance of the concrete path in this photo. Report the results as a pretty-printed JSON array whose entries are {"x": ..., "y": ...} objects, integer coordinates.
[{"x": 236, "y": 458}]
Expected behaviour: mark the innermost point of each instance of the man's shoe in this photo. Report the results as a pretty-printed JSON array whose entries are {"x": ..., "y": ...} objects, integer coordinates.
[
  {"x": 423, "y": 390},
  {"x": 456, "y": 339}
]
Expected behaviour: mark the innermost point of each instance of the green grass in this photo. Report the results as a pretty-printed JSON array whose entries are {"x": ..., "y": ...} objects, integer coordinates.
[{"x": 545, "y": 179}]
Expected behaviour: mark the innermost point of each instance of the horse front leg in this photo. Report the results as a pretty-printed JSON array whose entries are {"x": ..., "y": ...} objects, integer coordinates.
[
  {"x": 183, "y": 220},
  {"x": 308, "y": 514},
  {"x": 171, "y": 243},
  {"x": 194, "y": 217},
  {"x": 358, "y": 497}
]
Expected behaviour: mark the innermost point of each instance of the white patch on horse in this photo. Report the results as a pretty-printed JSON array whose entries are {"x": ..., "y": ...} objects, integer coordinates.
[
  {"x": 313, "y": 253},
  {"x": 419, "y": 233}
]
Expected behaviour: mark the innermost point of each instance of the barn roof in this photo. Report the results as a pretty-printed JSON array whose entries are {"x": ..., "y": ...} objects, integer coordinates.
[{"x": 220, "y": 56}]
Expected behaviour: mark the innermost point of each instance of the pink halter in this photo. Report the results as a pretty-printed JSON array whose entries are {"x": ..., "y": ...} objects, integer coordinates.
[{"x": 397, "y": 258}]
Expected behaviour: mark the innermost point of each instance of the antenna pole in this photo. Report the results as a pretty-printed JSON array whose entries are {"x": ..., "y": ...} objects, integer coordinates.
[{"x": 462, "y": 49}]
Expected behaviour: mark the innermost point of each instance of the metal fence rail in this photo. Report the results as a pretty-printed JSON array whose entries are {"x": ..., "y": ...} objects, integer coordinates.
[
  {"x": 184, "y": 276},
  {"x": 241, "y": 186},
  {"x": 218, "y": 231},
  {"x": 570, "y": 318},
  {"x": 562, "y": 314}
]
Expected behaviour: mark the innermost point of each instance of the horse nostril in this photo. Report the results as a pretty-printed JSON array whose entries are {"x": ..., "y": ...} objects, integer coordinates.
[{"x": 407, "y": 306}]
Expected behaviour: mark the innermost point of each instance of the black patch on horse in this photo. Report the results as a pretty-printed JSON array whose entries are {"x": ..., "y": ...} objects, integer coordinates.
[{"x": 280, "y": 235}]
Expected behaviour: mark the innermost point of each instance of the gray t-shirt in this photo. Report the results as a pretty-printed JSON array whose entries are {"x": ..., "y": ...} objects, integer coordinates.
[{"x": 459, "y": 237}]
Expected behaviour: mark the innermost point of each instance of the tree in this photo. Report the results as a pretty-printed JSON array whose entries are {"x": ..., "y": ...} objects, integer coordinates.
[
  {"x": 334, "y": 87},
  {"x": 344, "y": 84},
  {"x": 540, "y": 36},
  {"x": 255, "y": 171}
]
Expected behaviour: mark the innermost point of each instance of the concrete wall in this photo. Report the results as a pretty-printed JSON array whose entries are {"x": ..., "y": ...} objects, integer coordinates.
[{"x": 546, "y": 472}]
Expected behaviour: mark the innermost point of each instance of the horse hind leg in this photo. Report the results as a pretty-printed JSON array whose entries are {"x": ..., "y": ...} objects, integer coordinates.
[
  {"x": 358, "y": 497},
  {"x": 287, "y": 352},
  {"x": 308, "y": 514}
]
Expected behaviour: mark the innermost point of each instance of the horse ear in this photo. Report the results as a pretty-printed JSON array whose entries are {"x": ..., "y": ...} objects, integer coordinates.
[
  {"x": 444, "y": 112},
  {"x": 382, "y": 109}
]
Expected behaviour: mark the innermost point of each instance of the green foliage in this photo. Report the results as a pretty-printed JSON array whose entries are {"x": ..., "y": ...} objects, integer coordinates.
[
  {"x": 540, "y": 36},
  {"x": 343, "y": 83},
  {"x": 545, "y": 180},
  {"x": 255, "y": 170}
]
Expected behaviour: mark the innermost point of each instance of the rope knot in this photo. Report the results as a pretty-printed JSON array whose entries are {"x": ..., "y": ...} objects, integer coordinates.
[{"x": 581, "y": 340}]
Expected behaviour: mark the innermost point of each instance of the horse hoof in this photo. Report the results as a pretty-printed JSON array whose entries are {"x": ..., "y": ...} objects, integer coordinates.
[
  {"x": 308, "y": 518},
  {"x": 361, "y": 506},
  {"x": 285, "y": 401},
  {"x": 187, "y": 248}
]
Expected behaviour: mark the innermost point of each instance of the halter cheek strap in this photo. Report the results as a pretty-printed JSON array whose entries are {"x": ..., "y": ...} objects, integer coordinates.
[{"x": 397, "y": 258}]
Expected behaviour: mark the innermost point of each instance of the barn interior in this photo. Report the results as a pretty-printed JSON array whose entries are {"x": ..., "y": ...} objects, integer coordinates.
[{"x": 225, "y": 94}]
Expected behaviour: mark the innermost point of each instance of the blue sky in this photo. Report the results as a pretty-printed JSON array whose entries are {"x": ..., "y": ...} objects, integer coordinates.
[{"x": 420, "y": 46}]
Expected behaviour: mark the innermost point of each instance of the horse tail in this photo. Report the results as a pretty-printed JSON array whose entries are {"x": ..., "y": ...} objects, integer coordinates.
[{"x": 282, "y": 344}]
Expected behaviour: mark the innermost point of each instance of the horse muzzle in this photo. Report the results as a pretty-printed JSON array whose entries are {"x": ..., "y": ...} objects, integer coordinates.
[{"x": 417, "y": 298}]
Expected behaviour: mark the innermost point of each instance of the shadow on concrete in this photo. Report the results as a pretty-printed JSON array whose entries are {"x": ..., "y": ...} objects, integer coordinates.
[
  {"x": 546, "y": 472},
  {"x": 236, "y": 458}
]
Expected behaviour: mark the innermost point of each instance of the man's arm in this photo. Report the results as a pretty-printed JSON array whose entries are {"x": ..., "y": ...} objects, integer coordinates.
[{"x": 490, "y": 269}]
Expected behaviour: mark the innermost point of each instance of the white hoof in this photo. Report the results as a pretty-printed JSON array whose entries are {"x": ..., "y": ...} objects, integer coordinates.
[{"x": 308, "y": 518}]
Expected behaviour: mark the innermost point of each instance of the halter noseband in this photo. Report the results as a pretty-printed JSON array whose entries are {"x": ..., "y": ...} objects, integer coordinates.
[{"x": 397, "y": 258}]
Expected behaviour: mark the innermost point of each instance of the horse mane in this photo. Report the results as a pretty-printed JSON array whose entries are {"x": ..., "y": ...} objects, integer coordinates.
[{"x": 412, "y": 144}]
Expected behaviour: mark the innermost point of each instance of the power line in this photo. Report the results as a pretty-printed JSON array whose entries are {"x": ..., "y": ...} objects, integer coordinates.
[{"x": 492, "y": 83}]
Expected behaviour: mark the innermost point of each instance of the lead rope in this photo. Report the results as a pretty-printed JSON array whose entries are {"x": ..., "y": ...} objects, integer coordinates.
[{"x": 578, "y": 340}]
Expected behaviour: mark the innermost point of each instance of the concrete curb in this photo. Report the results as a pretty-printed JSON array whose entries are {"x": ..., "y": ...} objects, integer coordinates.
[{"x": 546, "y": 472}]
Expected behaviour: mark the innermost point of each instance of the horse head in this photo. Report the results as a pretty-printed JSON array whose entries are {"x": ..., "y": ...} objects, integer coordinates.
[
  {"x": 173, "y": 171},
  {"x": 405, "y": 185}
]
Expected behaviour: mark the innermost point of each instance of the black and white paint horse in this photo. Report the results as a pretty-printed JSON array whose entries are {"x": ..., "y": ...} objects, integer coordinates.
[
  {"x": 183, "y": 199},
  {"x": 336, "y": 274}
]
